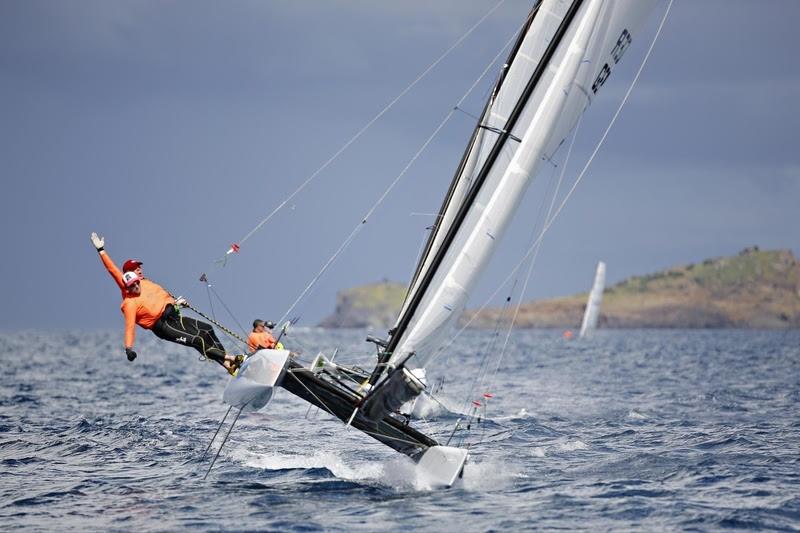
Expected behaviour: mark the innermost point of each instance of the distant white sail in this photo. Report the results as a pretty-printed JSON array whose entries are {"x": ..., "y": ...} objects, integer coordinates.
[{"x": 595, "y": 299}]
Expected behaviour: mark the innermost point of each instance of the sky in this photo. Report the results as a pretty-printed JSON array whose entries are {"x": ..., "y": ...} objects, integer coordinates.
[{"x": 172, "y": 128}]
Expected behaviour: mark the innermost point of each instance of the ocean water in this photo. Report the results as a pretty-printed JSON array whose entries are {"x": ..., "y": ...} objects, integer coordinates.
[{"x": 631, "y": 430}]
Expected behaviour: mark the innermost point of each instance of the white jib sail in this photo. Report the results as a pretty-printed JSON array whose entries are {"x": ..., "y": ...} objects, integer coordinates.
[{"x": 595, "y": 299}]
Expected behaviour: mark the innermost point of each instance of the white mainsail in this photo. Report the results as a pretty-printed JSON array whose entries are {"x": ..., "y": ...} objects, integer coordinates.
[
  {"x": 592, "y": 311},
  {"x": 566, "y": 54}
]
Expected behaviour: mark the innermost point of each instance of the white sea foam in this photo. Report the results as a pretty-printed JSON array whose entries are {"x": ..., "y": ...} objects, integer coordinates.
[
  {"x": 490, "y": 474},
  {"x": 571, "y": 446},
  {"x": 84, "y": 418},
  {"x": 398, "y": 472},
  {"x": 425, "y": 406},
  {"x": 340, "y": 468},
  {"x": 539, "y": 451},
  {"x": 636, "y": 415}
]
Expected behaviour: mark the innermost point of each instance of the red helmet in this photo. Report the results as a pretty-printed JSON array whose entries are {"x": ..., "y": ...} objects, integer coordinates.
[{"x": 130, "y": 265}]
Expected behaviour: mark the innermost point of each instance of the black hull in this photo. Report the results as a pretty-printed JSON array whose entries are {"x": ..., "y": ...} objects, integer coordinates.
[{"x": 340, "y": 401}]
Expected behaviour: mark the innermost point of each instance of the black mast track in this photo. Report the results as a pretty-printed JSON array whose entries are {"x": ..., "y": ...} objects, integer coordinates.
[
  {"x": 477, "y": 185},
  {"x": 449, "y": 196}
]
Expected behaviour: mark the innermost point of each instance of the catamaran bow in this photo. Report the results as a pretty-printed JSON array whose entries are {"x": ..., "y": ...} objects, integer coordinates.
[{"x": 564, "y": 54}]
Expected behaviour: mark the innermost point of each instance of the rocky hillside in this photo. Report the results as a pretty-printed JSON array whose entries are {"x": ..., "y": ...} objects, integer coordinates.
[
  {"x": 755, "y": 289},
  {"x": 375, "y": 305}
]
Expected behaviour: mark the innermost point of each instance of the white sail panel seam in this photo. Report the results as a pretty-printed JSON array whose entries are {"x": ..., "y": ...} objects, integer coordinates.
[{"x": 497, "y": 115}]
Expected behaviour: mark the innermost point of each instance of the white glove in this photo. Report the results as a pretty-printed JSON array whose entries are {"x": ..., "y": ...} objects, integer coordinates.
[
  {"x": 180, "y": 301},
  {"x": 98, "y": 241}
]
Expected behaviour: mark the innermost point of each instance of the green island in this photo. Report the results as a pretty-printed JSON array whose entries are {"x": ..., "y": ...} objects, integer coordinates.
[{"x": 753, "y": 289}]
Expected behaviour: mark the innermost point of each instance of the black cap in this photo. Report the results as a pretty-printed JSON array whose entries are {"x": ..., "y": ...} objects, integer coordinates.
[
  {"x": 270, "y": 324},
  {"x": 257, "y": 322}
]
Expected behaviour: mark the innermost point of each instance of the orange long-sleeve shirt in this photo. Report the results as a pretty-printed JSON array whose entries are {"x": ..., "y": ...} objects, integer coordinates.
[
  {"x": 144, "y": 309},
  {"x": 261, "y": 339}
]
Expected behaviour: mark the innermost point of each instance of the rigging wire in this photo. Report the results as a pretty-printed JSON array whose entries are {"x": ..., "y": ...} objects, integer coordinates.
[
  {"x": 396, "y": 180},
  {"x": 481, "y": 401},
  {"x": 208, "y": 293},
  {"x": 225, "y": 330},
  {"x": 213, "y": 319},
  {"x": 569, "y": 193},
  {"x": 425, "y": 236},
  {"x": 480, "y": 382},
  {"x": 359, "y": 133},
  {"x": 485, "y": 357},
  {"x": 480, "y": 378},
  {"x": 228, "y": 309},
  {"x": 490, "y": 383}
]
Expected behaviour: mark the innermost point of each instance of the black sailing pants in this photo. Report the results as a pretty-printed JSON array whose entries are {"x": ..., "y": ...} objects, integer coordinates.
[{"x": 191, "y": 332}]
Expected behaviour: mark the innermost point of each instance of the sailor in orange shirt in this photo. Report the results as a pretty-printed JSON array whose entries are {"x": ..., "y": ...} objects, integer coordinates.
[
  {"x": 261, "y": 337},
  {"x": 150, "y": 306}
]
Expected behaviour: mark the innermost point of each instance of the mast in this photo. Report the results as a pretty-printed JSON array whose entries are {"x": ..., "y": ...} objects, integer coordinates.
[
  {"x": 558, "y": 68},
  {"x": 460, "y": 216},
  {"x": 402, "y": 385}
]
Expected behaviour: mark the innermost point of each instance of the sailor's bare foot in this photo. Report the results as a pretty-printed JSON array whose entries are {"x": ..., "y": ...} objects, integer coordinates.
[{"x": 232, "y": 363}]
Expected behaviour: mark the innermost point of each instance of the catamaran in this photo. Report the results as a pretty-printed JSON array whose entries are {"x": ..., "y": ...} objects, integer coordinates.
[{"x": 565, "y": 52}]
